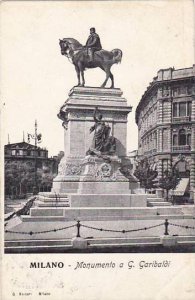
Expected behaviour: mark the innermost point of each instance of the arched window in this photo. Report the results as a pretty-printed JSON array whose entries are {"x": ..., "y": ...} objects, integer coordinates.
[
  {"x": 174, "y": 139},
  {"x": 182, "y": 137}
]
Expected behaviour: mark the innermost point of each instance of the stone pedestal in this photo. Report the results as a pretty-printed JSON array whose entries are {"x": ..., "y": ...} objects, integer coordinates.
[{"x": 77, "y": 117}]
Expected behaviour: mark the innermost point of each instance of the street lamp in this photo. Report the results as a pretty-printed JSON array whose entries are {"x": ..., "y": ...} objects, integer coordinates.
[{"x": 37, "y": 138}]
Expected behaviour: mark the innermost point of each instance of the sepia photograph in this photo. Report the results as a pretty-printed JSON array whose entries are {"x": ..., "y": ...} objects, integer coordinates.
[{"x": 98, "y": 148}]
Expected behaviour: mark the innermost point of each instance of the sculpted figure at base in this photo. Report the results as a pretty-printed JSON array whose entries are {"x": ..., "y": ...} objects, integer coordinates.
[
  {"x": 90, "y": 56},
  {"x": 103, "y": 142}
]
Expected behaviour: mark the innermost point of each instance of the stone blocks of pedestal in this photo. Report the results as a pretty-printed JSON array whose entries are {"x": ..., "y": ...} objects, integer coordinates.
[
  {"x": 77, "y": 116},
  {"x": 108, "y": 200}
]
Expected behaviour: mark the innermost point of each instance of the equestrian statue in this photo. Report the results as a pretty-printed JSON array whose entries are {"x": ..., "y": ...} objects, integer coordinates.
[{"x": 90, "y": 56}]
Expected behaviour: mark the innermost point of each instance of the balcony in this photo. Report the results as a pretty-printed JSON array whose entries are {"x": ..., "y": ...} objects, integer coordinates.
[
  {"x": 184, "y": 148},
  {"x": 150, "y": 152},
  {"x": 181, "y": 119}
]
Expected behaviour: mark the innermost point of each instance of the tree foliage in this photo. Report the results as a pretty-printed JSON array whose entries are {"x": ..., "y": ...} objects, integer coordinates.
[
  {"x": 145, "y": 174},
  {"x": 20, "y": 177},
  {"x": 169, "y": 180}
]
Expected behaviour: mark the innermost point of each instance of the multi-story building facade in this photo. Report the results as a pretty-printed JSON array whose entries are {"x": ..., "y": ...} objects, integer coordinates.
[{"x": 165, "y": 117}]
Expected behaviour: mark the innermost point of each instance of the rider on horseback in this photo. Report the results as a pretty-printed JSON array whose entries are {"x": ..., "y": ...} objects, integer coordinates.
[{"x": 93, "y": 43}]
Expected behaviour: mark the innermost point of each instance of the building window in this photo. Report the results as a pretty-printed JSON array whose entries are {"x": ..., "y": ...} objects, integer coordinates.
[
  {"x": 155, "y": 140},
  {"x": 189, "y": 108},
  {"x": 182, "y": 137},
  {"x": 174, "y": 109},
  {"x": 13, "y": 152},
  {"x": 174, "y": 139},
  {"x": 189, "y": 139},
  {"x": 182, "y": 109},
  {"x": 42, "y": 153}
]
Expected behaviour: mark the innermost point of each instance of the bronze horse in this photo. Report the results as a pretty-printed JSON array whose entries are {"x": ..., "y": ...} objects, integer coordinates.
[{"x": 78, "y": 55}]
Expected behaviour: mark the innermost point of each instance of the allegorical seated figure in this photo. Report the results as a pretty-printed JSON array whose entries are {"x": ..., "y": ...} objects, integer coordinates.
[
  {"x": 103, "y": 142},
  {"x": 93, "y": 43}
]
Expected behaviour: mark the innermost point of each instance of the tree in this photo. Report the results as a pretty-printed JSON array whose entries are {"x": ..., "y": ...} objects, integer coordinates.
[
  {"x": 11, "y": 178},
  {"x": 20, "y": 177},
  {"x": 169, "y": 181},
  {"x": 145, "y": 174}
]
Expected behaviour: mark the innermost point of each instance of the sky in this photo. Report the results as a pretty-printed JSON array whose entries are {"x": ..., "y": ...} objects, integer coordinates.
[{"x": 36, "y": 78}]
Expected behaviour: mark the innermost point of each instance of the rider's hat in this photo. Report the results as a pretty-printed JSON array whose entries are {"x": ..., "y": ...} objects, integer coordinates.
[{"x": 92, "y": 28}]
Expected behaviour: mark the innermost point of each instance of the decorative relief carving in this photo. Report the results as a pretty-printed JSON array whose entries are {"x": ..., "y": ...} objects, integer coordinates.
[
  {"x": 92, "y": 170},
  {"x": 104, "y": 171},
  {"x": 95, "y": 170},
  {"x": 65, "y": 168},
  {"x": 73, "y": 169}
]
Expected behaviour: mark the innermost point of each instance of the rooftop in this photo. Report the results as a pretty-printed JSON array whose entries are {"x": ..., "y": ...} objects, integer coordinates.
[{"x": 23, "y": 145}]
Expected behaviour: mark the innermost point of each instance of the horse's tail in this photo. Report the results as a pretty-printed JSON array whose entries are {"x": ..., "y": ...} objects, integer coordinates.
[{"x": 117, "y": 55}]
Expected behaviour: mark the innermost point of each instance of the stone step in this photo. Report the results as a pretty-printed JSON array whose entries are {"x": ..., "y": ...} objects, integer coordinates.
[
  {"x": 50, "y": 201},
  {"x": 118, "y": 212},
  {"x": 183, "y": 239},
  {"x": 152, "y": 196},
  {"x": 29, "y": 243},
  {"x": 155, "y": 199},
  {"x": 106, "y": 218},
  {"x": 124, "y": 244},
  {"x": 45, "y": 199},
  {"x": 24, "y": 249},
  {"x": 63, "y": 247},
  {"x": 159, "y": 204},
  {"x": 53, "y": 195},
  {"x": 52, "y": 204},
  {"x": 133, "y": 240},
  {"x": 186, "y": 242}
]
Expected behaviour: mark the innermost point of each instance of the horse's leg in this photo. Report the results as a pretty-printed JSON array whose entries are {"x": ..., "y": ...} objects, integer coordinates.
[
  {"x": 78, "y": 75},
  {"x": 107, "y": 76},
  {"x": 83, "y": 78},
  {"x": 112, "y": 79},
  {"x": 82, "y": 73}
]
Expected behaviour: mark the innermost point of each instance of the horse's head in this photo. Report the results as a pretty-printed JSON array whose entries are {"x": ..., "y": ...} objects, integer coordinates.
[
  {"x": 69, "y": 44},
  {"x": 64, "y": 45}
]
